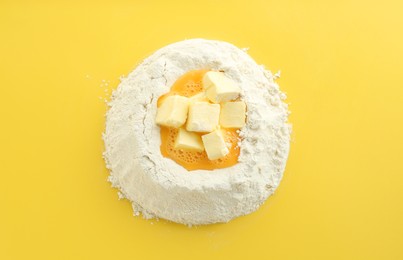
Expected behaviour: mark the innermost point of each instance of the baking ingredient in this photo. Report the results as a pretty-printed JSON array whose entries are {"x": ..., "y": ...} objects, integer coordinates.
[
  {"x": 188, "y": 141},
  {"x": 233, "y": 114},
  {"x": 190, "y": 84},
  {"x": 220, "y": 88},
  {"x": 203, "y": 117},
  {"x": 215, "y": 145},
  {"x": 173, "y": 111},
  {"x": 198, "y": 97},
  {"x": 160, "y": 187}
]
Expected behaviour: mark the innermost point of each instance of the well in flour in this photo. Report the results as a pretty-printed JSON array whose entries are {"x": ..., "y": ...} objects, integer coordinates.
[{"x": 159, "y": 187}]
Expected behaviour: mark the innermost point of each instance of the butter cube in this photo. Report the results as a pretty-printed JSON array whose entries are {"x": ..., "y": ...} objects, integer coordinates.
[
  {"x": 198, "y": 97},
  {"x": 215, "y": 145},
  {"x": 188, "y": 141},
  {"x": 203, "y": 117},
  {"x": 219, "y": 88},
  {"x": 173, "y": 111},
  {"x": 233, "y": 114}
]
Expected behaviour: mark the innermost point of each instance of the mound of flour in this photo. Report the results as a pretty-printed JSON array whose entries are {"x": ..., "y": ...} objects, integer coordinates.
[{"x": 157, "y": 186}]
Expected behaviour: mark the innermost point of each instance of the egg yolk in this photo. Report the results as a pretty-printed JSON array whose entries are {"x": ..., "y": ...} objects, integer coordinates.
[{"x": 188, "y": 85}]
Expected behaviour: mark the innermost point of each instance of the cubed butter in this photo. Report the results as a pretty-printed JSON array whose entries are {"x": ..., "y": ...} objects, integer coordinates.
[
  {"x": 233, "y": 114},
  {"x": 215, "y": 145},
  {"x": 220, "y": 88},
  {"x": 188, "y": 141},
  {"x": 203, "y": 117},
  {"x": 198, "y": 97},
  {"x": 173, "y": 111}
]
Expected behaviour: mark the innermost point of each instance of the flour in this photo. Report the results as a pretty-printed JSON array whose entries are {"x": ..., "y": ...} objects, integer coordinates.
[{"x": 159, "y": 187}]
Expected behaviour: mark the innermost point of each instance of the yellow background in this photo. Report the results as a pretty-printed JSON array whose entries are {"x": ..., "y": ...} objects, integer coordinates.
[{"x": 341, "y": 62}]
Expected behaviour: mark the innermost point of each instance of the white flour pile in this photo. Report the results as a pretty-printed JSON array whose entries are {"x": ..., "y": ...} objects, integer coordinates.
[{"x": 159, "y": 187}]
